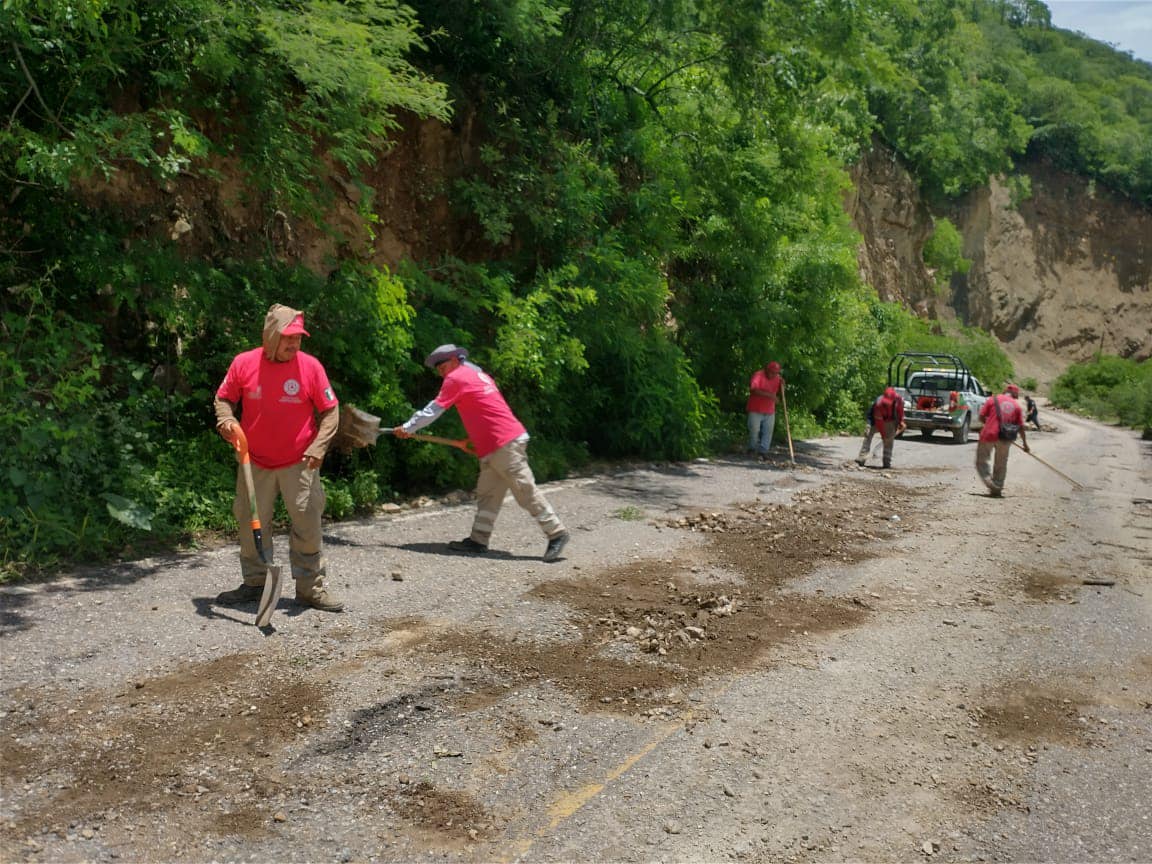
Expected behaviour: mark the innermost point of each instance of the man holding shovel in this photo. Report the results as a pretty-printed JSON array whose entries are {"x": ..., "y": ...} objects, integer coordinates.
[
  {"x": 766, "y": 384},
  {"x": 500, "y": 442},
  {"x": 288, "y": 416}
]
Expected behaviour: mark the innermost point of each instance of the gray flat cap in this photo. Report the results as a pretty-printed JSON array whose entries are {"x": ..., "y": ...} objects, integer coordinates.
[{"x": 444, "y": 352}]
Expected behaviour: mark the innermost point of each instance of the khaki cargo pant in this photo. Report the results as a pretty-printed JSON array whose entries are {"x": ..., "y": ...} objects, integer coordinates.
[
  {"x": 507, "y": 470},
  {"x": 887, "y": 430},
  {"x": 303, "y": 494},
  {"x": 985, "y": 451}
]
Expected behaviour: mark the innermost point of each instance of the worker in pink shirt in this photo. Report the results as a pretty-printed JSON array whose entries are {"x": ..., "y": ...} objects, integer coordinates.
[
  {"x": 289, "y": 415},
  {"x": 765, "y": 386},
  {"x": 500, "y": 442}
]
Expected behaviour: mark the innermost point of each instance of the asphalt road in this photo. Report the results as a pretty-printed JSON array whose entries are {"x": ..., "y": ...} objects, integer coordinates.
[{"x": 733, "y": 661}]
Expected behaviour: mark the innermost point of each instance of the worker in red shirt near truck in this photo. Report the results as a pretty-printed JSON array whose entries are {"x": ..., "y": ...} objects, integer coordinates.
[
  {"x": 886, "y": 416},
  {"x": 500, "y": 442},
  {"x": 1003, "y": 422}
]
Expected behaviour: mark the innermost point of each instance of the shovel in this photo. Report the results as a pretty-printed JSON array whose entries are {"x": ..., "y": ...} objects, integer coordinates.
[
  {"x": 272, "y": 581},
  {"x": 361, "y": 429},
  {"x": 787, "y": 430}
]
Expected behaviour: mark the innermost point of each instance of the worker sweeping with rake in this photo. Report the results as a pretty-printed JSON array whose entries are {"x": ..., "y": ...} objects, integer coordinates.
[{"x": 499, "y": 441}]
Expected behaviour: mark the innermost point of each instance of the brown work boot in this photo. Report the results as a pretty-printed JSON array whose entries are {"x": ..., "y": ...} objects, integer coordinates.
[
  {"x": 244, "y": 594},
  {"x": 320, "y": 599}
]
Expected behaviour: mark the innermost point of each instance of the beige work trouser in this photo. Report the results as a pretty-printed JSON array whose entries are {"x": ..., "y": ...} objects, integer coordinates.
[
  {"x": 507, "y": 470},
  {"x": 985, "y": 450},
  {"x": 887, "y": 430},
  {"x": 303, "y": 494}
]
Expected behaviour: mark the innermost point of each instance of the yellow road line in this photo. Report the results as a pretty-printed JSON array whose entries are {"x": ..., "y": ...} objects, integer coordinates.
[{"x": 570, "y": 803}]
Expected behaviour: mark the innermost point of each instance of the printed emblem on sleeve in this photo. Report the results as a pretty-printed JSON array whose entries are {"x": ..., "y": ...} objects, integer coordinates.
[{"x": 328, "y": 394}]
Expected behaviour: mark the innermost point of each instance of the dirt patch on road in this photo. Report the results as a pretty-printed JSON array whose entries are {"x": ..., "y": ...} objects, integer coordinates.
[
  {"x": 448, "y": 812},
  {"x": 648, "y": 631},
  {"x": 1046, "y": 585},
  {"x": 1033, "y": 715},
  {"x": 168, "y": 743}
]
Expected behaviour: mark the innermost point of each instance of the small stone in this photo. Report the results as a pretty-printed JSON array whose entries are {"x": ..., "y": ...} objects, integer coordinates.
[{"x": 279, "y": 816}]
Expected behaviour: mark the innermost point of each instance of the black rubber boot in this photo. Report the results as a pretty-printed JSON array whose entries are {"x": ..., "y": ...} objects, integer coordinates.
[
  {"x": 468, "y": 545},
  {"x": 555, "y": 546}
]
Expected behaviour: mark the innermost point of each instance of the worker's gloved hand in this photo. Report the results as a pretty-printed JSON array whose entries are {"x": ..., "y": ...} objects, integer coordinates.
[
  {"x": 399, "y": 432},
  {"x": 228, "y": 431}
]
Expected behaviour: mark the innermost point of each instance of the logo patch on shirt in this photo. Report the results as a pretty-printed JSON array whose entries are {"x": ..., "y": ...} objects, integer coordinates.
[
  {"x": 291, "y": 386},
  {"x": 329, "y": 395}
]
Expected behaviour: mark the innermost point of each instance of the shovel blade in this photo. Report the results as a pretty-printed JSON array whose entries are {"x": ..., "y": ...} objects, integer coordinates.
[
  {"x": 357, "y": 429},
  {"x": 270, "y": 597}
]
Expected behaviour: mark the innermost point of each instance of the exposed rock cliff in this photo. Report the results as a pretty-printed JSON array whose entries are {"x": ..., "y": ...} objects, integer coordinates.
[
  {"x": 1058, "y": 276},
  {"x": 1064, "y": 274}
]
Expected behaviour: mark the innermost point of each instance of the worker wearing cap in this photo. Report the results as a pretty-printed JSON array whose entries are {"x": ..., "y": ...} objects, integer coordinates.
[
  {"x": 289, "y": 415},
  {"x": 500, "y": 442},
  {"x": 998, "y": 412},
  {"x": 763, "y": 390},
  {"x": 886, "y": 416}
]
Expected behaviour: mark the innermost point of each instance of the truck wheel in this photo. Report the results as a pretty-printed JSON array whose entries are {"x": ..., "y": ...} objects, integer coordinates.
[
  {"x": 961, "y": 434},
  {"x": 925, "y": 433}
]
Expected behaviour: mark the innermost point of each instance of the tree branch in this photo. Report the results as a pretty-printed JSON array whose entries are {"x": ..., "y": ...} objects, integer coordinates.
[{"x": 36, "y": 90}]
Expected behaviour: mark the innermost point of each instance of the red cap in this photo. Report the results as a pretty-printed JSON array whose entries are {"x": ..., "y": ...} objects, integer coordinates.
[
  {"x": 295, "y": 327},
  {"x": 1011, "y": 389},
  {"x": 890, "y": 392},
  {"x": 773, "y": 366}
]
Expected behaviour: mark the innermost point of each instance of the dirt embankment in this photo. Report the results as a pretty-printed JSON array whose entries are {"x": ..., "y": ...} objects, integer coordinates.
[{"x": 1055, "y": 276}]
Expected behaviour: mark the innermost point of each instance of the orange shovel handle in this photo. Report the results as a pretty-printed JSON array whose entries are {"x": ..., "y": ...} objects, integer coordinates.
[{"x": 239, "y": 442}]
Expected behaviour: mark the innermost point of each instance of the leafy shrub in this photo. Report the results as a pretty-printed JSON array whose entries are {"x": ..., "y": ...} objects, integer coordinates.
[
  {"x": 1110, "y": 387},
  {"x": 943, "y": 252},
  {"x": 340, "y": 503}
]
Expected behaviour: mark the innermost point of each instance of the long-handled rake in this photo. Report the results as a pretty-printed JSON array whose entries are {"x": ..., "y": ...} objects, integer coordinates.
[{"x": 1050, "y": 467}]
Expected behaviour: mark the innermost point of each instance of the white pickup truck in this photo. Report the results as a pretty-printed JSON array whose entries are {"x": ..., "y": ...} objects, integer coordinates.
[{"x": 938, "y": 392}]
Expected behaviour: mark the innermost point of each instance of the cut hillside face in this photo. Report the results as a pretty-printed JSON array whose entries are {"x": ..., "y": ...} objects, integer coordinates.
[
  {"x": 1063, "y": 274},
  {"x": 885, "y": 206}
]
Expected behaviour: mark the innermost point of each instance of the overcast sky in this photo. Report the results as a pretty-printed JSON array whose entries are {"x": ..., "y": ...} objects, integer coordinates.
[{"x": 1127, "y": 24}]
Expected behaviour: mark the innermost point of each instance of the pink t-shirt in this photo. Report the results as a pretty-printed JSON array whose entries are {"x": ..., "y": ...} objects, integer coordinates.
[
  {"x": 1009, "y": 412},
  {"x": 278, "y": 404},
  {"x": 763, "y": 404},
  {"x": 488, "y": 420}
]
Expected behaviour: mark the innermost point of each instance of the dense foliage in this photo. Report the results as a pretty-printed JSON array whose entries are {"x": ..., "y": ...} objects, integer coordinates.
[
  {"x": 656, "y": 207},
  {"x": 1111, "y": 388}
]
